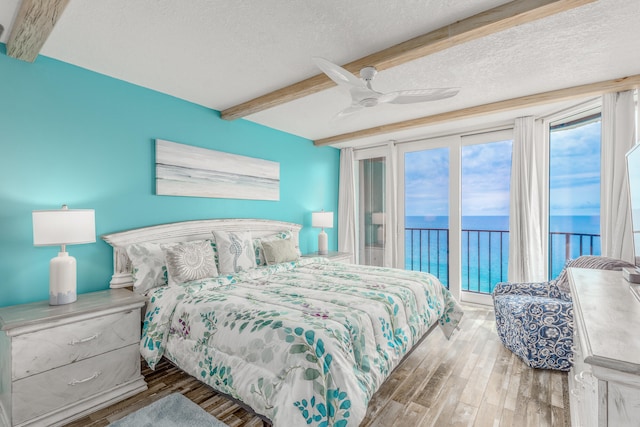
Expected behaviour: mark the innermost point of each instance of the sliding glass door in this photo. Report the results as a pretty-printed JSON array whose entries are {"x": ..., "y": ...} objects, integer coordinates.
[
  {"x": 486, "y": 178},
  {"x": 574, "y": 188},
  {"x": 454, "y": 201},
  {"x": 372, "y": 174},
  {"x": 426, "y": 219},
  {"x": 428, "y": 209},
  {"x": 455, "y": 210}
]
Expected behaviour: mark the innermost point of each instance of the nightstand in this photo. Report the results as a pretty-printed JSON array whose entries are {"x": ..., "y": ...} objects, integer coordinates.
[
  {"x": 59, "y": 363},
  {"x": 333, "y": 256},
  {"x": 374, "y": 255}
]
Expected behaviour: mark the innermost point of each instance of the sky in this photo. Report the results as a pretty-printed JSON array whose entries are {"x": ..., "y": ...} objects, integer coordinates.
[
  {"x": 486, "y": 173},
  {"x": 427, "y": 182},
  {"x": 574, "y": 171}
]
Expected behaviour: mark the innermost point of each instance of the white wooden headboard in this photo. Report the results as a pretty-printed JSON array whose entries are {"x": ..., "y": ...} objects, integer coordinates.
[{"x": 184, "y": 232}]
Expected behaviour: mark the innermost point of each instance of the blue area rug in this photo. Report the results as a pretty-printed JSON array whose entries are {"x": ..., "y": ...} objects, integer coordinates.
[{"x": 170, "y": 411}]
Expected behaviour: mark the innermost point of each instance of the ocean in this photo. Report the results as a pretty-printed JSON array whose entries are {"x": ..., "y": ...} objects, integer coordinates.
[{"x": 485, "y": 246}]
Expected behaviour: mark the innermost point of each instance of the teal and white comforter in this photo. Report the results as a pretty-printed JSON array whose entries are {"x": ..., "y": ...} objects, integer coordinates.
[{"x": 302, "y": 343}]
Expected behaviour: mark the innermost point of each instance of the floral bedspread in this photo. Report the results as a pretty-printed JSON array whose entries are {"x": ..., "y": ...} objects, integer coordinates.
[{"x": 302, "y": 343}]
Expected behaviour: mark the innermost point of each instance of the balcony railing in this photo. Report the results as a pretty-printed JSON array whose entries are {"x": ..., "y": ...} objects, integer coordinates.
[
  {"x": 485, "y": 254},
  {"x": 484, "y": 259},
  {"x": 428, "y": 250},
  {"x": 565, "y": 246}
]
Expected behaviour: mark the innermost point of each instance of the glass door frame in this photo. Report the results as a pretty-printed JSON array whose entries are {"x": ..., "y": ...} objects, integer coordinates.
[
  {"x": 570, "y": 114},
  {"x": 454, "y": 143},
  {"x": 382, "y": 151},
  {"x": 478, "y": 139},
  {"x": 455, "y": 220}
]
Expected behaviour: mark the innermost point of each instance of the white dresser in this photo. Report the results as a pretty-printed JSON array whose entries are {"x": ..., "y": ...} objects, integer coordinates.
[
  {"x": 604, "y": 383},
  {"x": 58, "y": 363}
]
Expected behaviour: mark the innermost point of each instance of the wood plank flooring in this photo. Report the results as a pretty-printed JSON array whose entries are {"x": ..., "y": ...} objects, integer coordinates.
[{"x": 470, "y": 380}]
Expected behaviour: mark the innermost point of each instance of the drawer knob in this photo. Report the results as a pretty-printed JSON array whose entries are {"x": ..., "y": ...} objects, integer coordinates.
[
  {"x": 84, "y": 340},
  {"x": 575, "y": 393},
  {"x": 578, "y": 379},
  {"x": 92, "y": 377}
]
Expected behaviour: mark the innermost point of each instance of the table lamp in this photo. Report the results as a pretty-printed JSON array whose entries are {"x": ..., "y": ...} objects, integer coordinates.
[
  {"x": 322, "y": 220},
  {"x": 63, "y": 227},
  {"x": 377, "y": 218}
]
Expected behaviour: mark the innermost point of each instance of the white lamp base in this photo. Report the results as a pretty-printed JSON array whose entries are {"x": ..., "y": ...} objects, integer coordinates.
[
  {"x": 323, "y": 243},
  {"x": 62, "y": 279},
  {"x": 380, "y": 236}
]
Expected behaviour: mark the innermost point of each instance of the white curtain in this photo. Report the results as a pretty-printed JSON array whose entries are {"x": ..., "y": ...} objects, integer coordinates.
[
  {"x": 618, "y": 136},
  {"x": 526, "y": 254},
  {"x": 391, "y": 226},
  {"x": 347, "y": 205}
]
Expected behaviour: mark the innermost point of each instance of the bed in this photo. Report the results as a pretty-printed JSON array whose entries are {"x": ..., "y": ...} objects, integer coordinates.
[{"x": 301, "y": 341}]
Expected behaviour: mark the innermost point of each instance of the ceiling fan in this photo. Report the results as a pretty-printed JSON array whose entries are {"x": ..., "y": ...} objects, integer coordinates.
[{"x": 364, "y": 96}]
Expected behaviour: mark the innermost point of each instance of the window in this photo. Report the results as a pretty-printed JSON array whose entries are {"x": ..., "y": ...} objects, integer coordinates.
[
  {"x": 371, "y": 208},
  {"x": 372, "y": 177},
  {"x": 426, "y": 193},
  {"x": 486, "y": 177},
  {"x": 455, "y": 201},
  {"x": 455, "y": 210},
  {"x": 574, "y": 189}
]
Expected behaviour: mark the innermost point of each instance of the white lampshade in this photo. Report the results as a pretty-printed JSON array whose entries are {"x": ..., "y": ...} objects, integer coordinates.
[
  {"x": 63, "y": 227},
  {"x": 322, "y": 219},
  {"x": 377, "y": 218}
]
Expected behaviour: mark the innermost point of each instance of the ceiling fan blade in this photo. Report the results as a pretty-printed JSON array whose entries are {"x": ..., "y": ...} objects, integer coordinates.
[
  {"x": 338, "y": 74},
  {"x": 354, "y": 108},
  {"x": 418, "y": 95}
]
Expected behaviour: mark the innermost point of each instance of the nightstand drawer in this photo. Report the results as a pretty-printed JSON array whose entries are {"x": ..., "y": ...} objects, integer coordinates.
[
  {"x": 50, "y": 348},
  {"x": 48, "y": 391}
]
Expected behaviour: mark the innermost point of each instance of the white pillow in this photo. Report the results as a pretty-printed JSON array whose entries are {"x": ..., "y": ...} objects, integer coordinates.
[
  {"x": 235, "y": 251},
  {"x": 187, "y": 261},
  {"x": 149, "y": 269}
]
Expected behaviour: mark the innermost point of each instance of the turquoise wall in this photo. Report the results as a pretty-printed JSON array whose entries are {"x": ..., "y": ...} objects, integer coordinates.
[{"x": 69, "y": 135}]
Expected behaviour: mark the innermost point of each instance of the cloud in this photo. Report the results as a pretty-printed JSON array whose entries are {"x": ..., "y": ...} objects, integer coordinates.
[
  {"x": 486, "y": 175},
  {"x": 574, "y": 171},
  {"x": 427, "y": 182}
]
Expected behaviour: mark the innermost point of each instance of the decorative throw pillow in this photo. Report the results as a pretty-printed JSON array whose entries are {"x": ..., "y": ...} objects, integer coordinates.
[
  {"x": 187, "y": 261},
  {"x": 235, "y": 251},
  {"x": 589, "y": 261},
  {"x": 149, "y": 270},
  {"x": 278, "y": 251},
  {"x": 257, "y": 245}
]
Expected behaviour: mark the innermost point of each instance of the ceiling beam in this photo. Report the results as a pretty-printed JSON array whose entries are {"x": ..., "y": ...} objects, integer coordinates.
[
  {"x": 32, "y": 27},
  {"x": 583, "y": 91},
  {"x": 499, "y": 18}
]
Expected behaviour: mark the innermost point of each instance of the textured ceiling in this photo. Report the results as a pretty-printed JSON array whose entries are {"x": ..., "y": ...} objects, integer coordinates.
[{"x": 220, "y": 53}]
